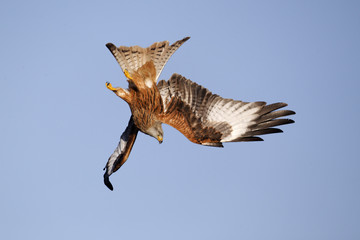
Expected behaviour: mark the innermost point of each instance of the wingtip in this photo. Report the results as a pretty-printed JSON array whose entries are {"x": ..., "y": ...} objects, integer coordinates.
[
  {"x": 292, "y": 112},
  {"x": 291, "y": 121},
  {"x": 107, "y": 182}
]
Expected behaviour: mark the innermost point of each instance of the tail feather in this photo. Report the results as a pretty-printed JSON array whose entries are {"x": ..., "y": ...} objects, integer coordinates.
[{"x": 134, "y": 57}]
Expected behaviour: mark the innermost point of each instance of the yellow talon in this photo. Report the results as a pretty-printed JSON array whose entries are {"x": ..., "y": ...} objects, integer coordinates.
[
  {"x": 108, "y": 85},
  {"x": 127, "y": 74}
]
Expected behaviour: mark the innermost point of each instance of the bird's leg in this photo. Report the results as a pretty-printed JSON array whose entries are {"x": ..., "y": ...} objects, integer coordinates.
[{"x": 123, "y": 93}]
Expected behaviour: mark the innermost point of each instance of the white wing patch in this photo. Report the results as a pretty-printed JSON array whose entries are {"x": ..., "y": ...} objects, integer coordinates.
[{"x": 239, "y": 115}]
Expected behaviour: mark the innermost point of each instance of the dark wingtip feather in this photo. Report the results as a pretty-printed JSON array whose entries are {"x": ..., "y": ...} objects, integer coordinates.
[
  {"x": 290, "y": 120},
  {"x": 272, "y": 107},
  {"x": 273, "y": 123},
  {"x": 107, "y": 182},
  {"x": 266, "y": 131},
  {"x": 285, "y": 112},
  {"x": 248, "y": 139},
  {"x": 292, "y": 112}
]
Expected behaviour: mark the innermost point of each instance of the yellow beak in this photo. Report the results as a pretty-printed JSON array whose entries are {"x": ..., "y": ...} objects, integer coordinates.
[{"x": 160, "y": 139}]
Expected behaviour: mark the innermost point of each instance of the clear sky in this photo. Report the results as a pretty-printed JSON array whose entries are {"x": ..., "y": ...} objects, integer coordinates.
[{"x": 59, "y": 123}]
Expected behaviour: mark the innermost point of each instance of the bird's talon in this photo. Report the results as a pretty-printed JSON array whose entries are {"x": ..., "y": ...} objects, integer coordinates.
[
  {"x": 127, "y": 74},
  {"x": 109, "y": 86}
]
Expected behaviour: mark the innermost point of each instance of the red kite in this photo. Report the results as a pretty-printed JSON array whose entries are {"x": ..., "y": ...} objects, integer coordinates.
[{"x": 203, "y": 117}]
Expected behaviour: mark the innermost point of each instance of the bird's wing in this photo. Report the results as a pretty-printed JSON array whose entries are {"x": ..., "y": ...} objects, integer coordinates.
[
  {"x": 122, "y": 152},
  {"x": 209, "y": 119},
  {"x": 132, "y": 58}
]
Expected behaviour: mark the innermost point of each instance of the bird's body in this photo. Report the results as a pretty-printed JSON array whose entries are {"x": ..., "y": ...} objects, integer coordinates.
[
  {"x": 204, "y": 118},
  {"x": 142, "y": 91}
]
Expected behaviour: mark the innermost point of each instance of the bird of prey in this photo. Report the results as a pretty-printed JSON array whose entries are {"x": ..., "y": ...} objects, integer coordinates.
[{"x": 203, "y": 117}]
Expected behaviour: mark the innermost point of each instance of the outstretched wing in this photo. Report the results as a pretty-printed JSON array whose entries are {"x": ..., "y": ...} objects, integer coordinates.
[
  {"x": 122, "y": 152},
  {"x": 209, "y": 119},
  {"x": 132, "y": 58}
]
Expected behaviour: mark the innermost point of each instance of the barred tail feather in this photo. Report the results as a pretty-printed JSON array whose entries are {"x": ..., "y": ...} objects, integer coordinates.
[{"x": 134, "y": 57}]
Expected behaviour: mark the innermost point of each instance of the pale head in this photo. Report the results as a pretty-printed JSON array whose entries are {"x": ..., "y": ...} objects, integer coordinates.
[{"x": 156, "y": 131}]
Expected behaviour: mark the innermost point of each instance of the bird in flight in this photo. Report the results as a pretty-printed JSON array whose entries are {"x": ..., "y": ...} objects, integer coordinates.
[{"x": 201, "y": 116}]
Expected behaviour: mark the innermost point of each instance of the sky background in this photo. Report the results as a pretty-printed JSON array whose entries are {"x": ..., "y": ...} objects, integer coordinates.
[{"x": 59, "y": 123}]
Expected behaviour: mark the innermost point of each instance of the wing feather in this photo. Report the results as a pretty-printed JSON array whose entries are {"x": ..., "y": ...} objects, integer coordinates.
[
  {"x": 122, "y": 152},
  {"x": 208, "y": 119}
]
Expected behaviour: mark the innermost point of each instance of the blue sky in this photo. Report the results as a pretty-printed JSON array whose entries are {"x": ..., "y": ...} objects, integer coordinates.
[{"x": 59, "y": 123}]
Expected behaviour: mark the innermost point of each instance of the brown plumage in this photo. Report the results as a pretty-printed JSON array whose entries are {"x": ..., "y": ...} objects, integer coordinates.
[{"x": 204, "y": 118}]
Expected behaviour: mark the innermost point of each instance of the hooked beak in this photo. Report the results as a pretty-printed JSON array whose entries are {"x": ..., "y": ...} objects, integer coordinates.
[{"x": 160, "y": 139}]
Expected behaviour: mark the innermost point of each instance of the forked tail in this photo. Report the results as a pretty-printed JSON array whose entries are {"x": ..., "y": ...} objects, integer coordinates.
[{"x": 134, "y": 57}]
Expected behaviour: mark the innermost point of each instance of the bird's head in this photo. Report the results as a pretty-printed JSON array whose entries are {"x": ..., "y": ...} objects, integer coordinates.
[{"x": 156, "y": 131}]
